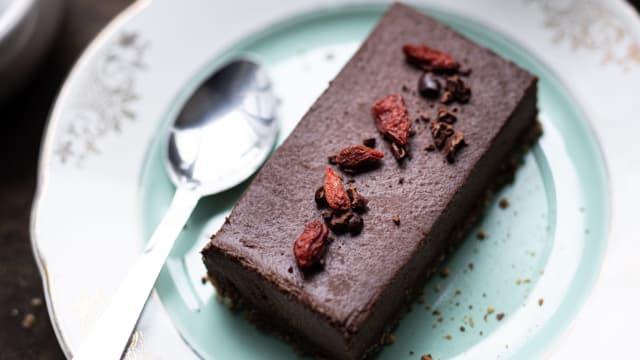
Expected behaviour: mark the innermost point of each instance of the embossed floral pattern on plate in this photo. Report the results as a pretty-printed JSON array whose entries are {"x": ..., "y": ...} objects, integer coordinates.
[
  {"x": 590, "y": 25},
  {"x": 105, "y": 104}
]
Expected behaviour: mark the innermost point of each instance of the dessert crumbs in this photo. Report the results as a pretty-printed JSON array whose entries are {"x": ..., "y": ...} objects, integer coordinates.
[
  {"x": 504, "y": 203},
  {"x": 481, "y": 235},
  {"x": 444, "y": 272},
  {"x": 390, "y": 339},
  {"x": 448, "y": 337},
  {"x": 28, "y": 321},
  {"x": 540, "y": 302},
  {"x": 36, "y": 301},
  {"x": 490, "y": 310},
  {"x": 426, "y": 357},
  {"x": 500, "y": 316}
]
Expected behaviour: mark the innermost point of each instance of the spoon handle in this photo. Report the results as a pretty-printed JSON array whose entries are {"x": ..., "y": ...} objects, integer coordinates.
[{"x": 111, "y": 333}]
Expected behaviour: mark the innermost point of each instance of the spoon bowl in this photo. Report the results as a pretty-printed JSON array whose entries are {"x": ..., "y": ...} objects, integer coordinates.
[{"x": 225, "y": 130}]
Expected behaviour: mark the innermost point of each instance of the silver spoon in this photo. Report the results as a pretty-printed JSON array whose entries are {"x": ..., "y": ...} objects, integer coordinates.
[{"x": 223, "y": 134}]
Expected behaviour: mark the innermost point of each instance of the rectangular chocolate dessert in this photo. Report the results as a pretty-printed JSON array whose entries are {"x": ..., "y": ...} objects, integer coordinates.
[{"x": 421, "y": 193}]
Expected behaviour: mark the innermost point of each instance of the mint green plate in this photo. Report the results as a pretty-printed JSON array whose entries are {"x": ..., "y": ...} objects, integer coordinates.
[{"x": 548, "y": 244}]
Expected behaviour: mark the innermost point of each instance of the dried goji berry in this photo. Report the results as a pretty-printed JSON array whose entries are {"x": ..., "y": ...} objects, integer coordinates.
[
  {"x": 334, "y": 192},
  {"x": 309, "y": 247},
  {"x": 358, "y": 157},
  {"x": 430, "y": 59},
  {"x": 392, "y": 118}
]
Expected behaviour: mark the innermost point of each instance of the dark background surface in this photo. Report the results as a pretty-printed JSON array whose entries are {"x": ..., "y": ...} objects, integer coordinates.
[
  {"x": 25, "y": 330},
  {"x": 22, "y": 119}
]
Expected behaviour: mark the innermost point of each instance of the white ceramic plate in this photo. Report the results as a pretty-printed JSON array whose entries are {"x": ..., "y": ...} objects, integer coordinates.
[{"x": 568, "y": 235}]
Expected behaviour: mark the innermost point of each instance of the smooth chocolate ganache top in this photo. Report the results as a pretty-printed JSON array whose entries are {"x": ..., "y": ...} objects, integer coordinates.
[{"x": 414, "y": 204}]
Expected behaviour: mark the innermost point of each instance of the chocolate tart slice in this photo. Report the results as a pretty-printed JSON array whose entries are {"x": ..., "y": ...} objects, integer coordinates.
[{"x": 342, "y": 308}]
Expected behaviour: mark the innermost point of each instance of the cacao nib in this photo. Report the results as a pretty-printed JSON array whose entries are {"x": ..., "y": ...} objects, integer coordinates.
[
  {"x": 319, "y": 197},
  {"x": 326, "y": 215},
  {"x": 339, "y": 223},
  {"x": 440, "y": 131},
  {"x": 369, "y": 142},
  {"x": 446, "y": 115},
  {"x": 454, "y": 143},
  {"x": 355, "y": 224},
  {"x": 457, "y": 87},
  {"x": 358, "y": 202}
]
